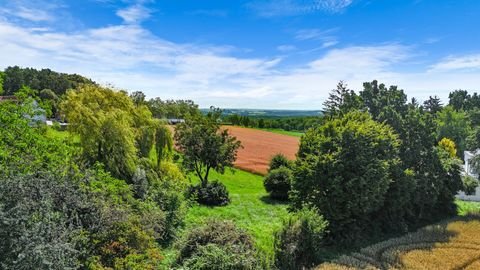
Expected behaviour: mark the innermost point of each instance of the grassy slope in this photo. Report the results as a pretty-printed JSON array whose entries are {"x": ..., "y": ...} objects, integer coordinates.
[{"x": 250, "y": 208}]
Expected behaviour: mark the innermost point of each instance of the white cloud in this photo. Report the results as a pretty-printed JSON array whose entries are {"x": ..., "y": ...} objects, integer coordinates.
[
  {"x": 273, "y": 8},
  {"x": 467, "y": 62},
  {"x": 134, "y": 14},
  {"x": 132, "y": 58}
]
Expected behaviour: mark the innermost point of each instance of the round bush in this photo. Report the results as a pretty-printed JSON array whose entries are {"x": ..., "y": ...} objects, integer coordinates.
[
  {"x": 279, "y": 160},
  {"x": 218, "y": 245},
  {"x": 299, "y": 243},
  {"x": 470, "y": 184},
  {"x": 278, "y": 183},
  {"x": 214, "y": 194}
]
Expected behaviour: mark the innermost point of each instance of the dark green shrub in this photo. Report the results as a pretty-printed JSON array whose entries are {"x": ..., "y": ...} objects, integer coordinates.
[
  {"x": 469, "y": 184},
  {"x": 279, "y": 160},
  {"x": 299, "y": 243},
  {"x": 213, "y": 193},
  {"x": 278, "y": 183},
  {"x": 218, "y": 245},
  {"x": 344, "y": 169}
]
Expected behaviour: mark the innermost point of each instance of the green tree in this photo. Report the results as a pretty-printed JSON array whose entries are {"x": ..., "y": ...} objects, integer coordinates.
[
  {"x": 455, "y": 125},
  {"x": 163, "y": 143},
  {"x": 205, "y": 145},
  {"x": 343, "y": 169},
  {"x": 104, "y": 121},
  {"x": 459, "y": 100},
  {"x": 138, "y": 98},
  {"x": 433, "y": 104},
  {"x": 341, "y": 100},
  {"x": 2, "y": 79}
]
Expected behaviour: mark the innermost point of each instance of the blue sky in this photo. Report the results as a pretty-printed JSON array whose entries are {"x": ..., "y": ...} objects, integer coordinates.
[{"x": 283, "y": 54}]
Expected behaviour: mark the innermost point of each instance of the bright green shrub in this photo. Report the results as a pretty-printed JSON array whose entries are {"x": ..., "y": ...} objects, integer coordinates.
[
  {"x": 214, "y": 193},
  {"x": 300, "y": 242},
  {"x": 278, "y": 183},
  {"x": 218, "y": 245}
]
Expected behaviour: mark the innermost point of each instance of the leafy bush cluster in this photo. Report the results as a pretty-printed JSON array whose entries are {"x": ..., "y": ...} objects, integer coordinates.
[
  {"x": 278, "y": 180},
  {"x": 213, "y": 193},
  {"x": 218, "y": 245},
  {"x": 300, "y": 243}
]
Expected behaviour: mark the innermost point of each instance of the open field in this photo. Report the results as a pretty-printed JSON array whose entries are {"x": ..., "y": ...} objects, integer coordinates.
[
  {"x": 259, "y": 146},
  {"x": 250, "y": 208},
  {"x": 453, "y": 244}
]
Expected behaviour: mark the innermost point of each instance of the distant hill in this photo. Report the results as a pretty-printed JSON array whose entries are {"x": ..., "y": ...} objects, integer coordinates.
[
  {"x": 16, "y": 77},
  {"x": 268, "y": 113}
]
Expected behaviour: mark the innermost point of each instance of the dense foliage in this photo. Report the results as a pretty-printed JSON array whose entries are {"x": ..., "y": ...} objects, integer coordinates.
[
  {"x": 297, "y": 123},
  {"x": 218, "y": 245},
  {"x": 379, "y": 171},
  {"x": 205, "y": 145},
  {"x": 214, "y": 193},
  {"x": 278, "y": 182},
  {"x": 344, "y": 169},
  {"x": 15, "y": 78},
  {"x": 300, "y": 243}
]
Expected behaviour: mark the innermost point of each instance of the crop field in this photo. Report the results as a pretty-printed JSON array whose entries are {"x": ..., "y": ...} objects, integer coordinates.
[
  {"x": 259, "y": 146},
  {"x": 453, "y": 244}
]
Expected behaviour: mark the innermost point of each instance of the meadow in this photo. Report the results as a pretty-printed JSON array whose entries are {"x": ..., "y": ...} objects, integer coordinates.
[{"x": 250, "y": 208}]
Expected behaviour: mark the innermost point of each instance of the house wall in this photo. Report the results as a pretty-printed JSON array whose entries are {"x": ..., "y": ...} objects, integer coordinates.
[{"x": 468, "y": 171}]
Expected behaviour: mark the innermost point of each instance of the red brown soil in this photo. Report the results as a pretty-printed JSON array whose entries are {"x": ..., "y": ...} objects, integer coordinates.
[{"x": 259, "y": 146}]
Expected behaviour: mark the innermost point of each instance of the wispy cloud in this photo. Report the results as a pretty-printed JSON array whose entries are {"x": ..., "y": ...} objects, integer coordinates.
[
  {"x": 326, "y": 37},
  {"x": 135, "y": 13},
  {"x": 451, "y": 63},
  {"x": 273, "y": 8},
  {"x": 32, "y": 11},
  {"x": 131, "y": 57}
]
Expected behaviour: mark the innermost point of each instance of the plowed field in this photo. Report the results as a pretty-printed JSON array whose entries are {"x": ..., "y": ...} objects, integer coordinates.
[{"x": 259, "y": 146}]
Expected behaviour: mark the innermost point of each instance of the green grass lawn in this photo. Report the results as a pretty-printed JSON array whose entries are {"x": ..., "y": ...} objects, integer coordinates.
[
  {"x": 283, "y": 132},
  {"x": 464, "y": 207},
  {"x": 250, "y": 208}
]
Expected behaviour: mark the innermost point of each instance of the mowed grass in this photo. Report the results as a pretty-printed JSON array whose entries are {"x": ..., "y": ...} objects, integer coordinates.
[
  {"x": 283, "y": 132},
  {"x": 452, "y": 244},
  {"x": 250, "y": 208}
]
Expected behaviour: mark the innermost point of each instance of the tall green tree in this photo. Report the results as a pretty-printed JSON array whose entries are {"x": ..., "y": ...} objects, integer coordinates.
[
  {"x": 205, "y": 145},
  {"x": 341, "y": 101},
  {"x": 343, "y": 169},
  {"x": 104, "y": 121},
  {"x": 433, "y": 104}
]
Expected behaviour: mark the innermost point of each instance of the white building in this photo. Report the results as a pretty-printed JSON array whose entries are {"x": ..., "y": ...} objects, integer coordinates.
[{"x": 468, "y": 170}]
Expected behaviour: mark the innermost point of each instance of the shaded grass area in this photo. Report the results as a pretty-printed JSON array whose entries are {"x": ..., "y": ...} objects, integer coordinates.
[{"x": 250, "y": 209}]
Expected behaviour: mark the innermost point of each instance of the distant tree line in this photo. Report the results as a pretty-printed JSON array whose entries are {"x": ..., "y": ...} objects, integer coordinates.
[{"x": 299, "y": 123}]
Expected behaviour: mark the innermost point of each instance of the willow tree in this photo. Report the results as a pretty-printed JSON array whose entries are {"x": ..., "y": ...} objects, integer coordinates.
[
  {"x": 163, "y": 143},
  {"x": 104, "y": 121}
]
